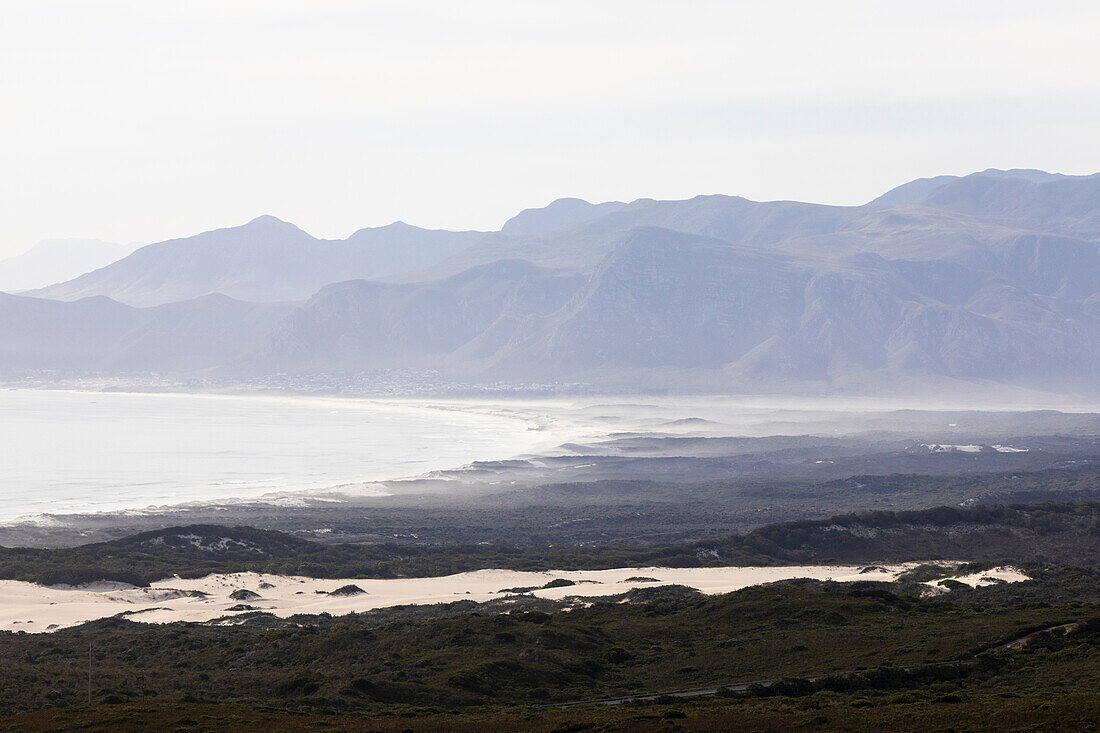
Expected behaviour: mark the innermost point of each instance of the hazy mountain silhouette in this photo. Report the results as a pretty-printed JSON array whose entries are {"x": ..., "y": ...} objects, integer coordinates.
[
  {"x": 265, "y": 260},
  {"x": 993, "y": 276},
  {"x": 557, "y": 215},
  {"x": 56, "y": 260},
  {"x": 466, "y": 317},
  {"x": 102, "y": 335}
]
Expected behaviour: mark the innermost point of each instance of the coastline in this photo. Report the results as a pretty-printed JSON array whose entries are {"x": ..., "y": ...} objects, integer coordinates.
[{"x": 493, "y": 433}]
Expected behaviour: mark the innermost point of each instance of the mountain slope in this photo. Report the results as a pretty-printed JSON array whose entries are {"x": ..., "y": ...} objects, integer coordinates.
[
  {"x": 102, "y": 335},
  {"x": 733, "y": 317},
  {"x": 1056, "y": 204},
  {"x": 266, "y": 260},
  {"x": 360, "y": 324}
]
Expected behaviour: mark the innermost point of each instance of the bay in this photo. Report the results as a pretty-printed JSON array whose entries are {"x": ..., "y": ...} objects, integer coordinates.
[{"x": 66, "y": 451}]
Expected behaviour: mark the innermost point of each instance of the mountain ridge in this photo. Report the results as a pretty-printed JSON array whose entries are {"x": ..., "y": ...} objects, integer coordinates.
[
  {"x": 264, "y": 260},
  {"x": 993, "y": 276}
]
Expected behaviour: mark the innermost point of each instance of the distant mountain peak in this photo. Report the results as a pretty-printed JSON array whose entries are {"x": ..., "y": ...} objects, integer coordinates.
[
  {"x": 269, "y": 219},
  {"x": 1023, "y": 174},
  {"x": 558, "y": 214},
  {"x": 265, "y": 260},
  {"x": 395, "y": 227},
  {"x": 403, "y": 229},
  {"x": 918, "y": 191},
  {"x": 398, "y": 226}
]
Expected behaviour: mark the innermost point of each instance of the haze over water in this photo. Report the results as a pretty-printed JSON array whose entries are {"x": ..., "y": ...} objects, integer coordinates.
[
  {"x": 67, "y": 452},
  {"x": 84, "y": 451}
]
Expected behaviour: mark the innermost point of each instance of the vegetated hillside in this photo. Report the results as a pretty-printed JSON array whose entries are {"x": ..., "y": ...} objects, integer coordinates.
[
  {"x": 993, "y": 277},
  {"x": 1050, "y": 533},
  {"x": 1054, "y": 533},
  {"x": 855, "y": 657},
  {"x": 266, "y": 260},
  {"x": 654, "y": 512}
]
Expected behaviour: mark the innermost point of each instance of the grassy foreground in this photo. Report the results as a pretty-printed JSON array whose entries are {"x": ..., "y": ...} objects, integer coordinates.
[
  {"x": 858, "y": 658},
  {"x": 1076, "y": 712}
]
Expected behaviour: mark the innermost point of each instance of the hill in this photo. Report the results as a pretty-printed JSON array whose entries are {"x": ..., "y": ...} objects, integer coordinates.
[{"x": 1019, "y": 533}]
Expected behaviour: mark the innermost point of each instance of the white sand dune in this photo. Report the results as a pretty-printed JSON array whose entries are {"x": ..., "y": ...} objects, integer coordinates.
[
  {"x": 988, "y": 577},
  {"x": 35, "y": 608}
]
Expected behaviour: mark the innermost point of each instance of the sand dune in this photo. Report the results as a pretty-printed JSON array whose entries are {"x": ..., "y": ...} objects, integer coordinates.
[{"x": 35, "y": 609}]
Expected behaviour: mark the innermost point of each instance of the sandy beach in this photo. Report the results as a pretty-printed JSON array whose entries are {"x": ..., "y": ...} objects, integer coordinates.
[{"x": 36, "y": 609}]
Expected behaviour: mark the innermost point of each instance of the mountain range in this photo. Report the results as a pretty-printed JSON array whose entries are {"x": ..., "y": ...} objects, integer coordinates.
[{"x": 991, "y": 277}]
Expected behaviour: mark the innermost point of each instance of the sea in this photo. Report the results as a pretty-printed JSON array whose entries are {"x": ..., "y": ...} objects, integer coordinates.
[
  {"x": 73, "y": 451},
  {"x": 80, "y": 451}
]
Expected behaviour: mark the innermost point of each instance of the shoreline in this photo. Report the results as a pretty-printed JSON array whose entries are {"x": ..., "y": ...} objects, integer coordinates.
[
  {"x": 530, "y": 432},
  {"x": 663, "y": 440}
]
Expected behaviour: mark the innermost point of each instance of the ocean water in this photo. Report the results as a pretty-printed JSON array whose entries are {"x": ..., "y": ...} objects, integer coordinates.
[
  {"x": 66, "y": 452},
  {"x": 83, "y": 451}
]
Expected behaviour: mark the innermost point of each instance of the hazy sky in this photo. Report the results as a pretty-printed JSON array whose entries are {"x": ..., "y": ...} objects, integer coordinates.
[{"x": 146, "y": 120}]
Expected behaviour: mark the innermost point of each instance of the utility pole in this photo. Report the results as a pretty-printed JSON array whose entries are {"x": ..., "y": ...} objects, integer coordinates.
[{"x": 89, "y": 673}]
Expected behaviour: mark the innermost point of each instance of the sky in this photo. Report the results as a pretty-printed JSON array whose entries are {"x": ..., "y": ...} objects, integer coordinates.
[{"x": 146, "y": 120}]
